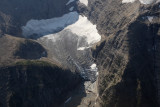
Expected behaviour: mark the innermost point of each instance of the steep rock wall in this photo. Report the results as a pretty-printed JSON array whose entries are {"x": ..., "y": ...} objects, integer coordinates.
[{"x": 127, "y": 77}]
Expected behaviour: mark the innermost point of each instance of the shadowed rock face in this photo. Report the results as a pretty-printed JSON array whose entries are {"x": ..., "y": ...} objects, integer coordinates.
[
  {"x": 30, "y": 50},
  {"x": 13, "y": 49},
  {"x": 137, "y": 84},
  {"x": 35, "y": 84}
]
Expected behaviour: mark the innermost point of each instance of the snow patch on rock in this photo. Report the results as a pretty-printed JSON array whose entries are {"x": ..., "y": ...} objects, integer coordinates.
[
  {"x": 147, "y": 1},
  {"x": 84, "y": 2},
  {"x": 84, "y": 28},
  {"x": 150, "y": 18},
  {"x": 94, "y": 67},
  {"x": 142, "y": 1},
  {"x": 82, "y": 48},
  {"x": 128, "y": 1}
]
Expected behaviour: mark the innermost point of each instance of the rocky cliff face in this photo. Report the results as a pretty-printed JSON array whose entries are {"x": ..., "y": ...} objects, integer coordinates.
[
  {"x": 126, "y": 59},
  {"x": 127, "y": 56}
]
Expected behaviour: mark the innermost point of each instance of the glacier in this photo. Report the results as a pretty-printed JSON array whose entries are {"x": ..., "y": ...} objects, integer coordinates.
[
  {"x": 73, "y": 22},
  {"x": 47, "y": 26}
]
